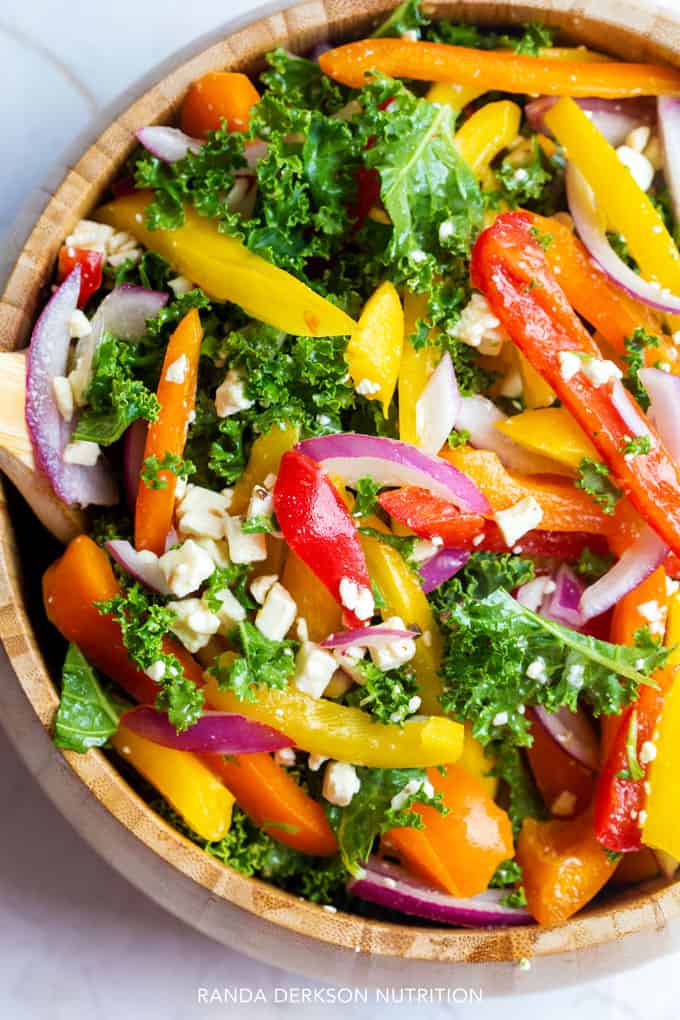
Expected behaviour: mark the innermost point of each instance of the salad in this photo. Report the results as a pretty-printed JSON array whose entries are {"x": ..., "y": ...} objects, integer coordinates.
[{"x": 367, "y": 374}]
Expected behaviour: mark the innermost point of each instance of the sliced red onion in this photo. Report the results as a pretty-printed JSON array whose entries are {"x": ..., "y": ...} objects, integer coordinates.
[
  {"x": 592, "y": 232},
  {"x": 214, "y": 733},
  {"x": 668, "y": 108},
  {"x": 368, "y": 637},
  {"x": 168, "y": 144},
  {"x": 562, "y": 605},
  {"x": 391, "y": 886},
  {"x": 574, "y": 733},
  {"x": 437, "y": 407},
  {"x": 615, "y": 118},
  {"x": 479, "y": 416},
  {"x": 134, "y": 442},
  {"x": 254, "y": 152},
  {"x": 441, "y": 567},
  {"x": 636, "y": 564},
  {"x": 624, "y": 404},
  {"x": 143, "y": 566},
  {"x": 352, "y": 456},
  {"x": 663, "y": 389},
  {"x": 47, "y": 359}
]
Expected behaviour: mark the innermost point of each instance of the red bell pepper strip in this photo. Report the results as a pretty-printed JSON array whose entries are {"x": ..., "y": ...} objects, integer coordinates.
[
  {"x": 91, "y": 270},
  {"x": 317, "y": 526},
  {"x": 512, "y": 271}
]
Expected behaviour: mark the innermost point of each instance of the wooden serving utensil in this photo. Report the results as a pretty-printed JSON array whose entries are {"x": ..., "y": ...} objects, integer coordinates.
[{"x": 16, "y": 454}]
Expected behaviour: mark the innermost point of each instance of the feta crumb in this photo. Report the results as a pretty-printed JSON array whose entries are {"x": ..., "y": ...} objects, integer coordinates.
[
  {"x": 202, "y": 512},
  {"x": 177, "y": 371},
  {"x": 261, "y": 585},
  {"x": 413, "y": 787},
  {"x": 63, "y": 396},
  {"x": 500, "y": 719},
  {"x": 217, "y": 551},
  {"x": 671, "y": 586},
  {"x": 478, "y": 539},
  {"x": 180, "y": 285},
  {"x": 367, "y": 388},
  {"x": 301, "y": 629},
  {"x": 244, "y": 547},
  {"x": 518, "y": 519},
  {"x": 575, "y": 675},
  {"x": 409, "y": 33},
  {"x": 314, "y": 668},
  {"x": 230, "y": 396},
  {"x": 357, "y": 598},
  {"x": 536, "y": 670},
  {"x": 564, "y": 804},
  {"x": 478, "y": 327},
  {"x": 79, "y": 325},
  {"x": 347, "y": 659},
  {"x": 277, "y": 614},
  {"x": 186, "y": 568},
  {"x": 91, "y": 235},
  {"x": 423, "y": 550},
  {"x": 156, "y": 671},
  {"x": 447, "y": 229},
  {"x": 414, "y": 704},
  {"x": 340, "y": 783},
  {"x": 315, "y": 761},
  {"x": 261, "y": 503},
  {"x": 601, "y": 371},
  {"x": 638, "y": 138},
  {"x": 395, "y": 653},
  {"x": 194, "y": 625},
  {"x": 418, "y": 256},
  {"x": 570, "y": 364},
  {"x": 647, "y": 752},
  {"x": 285, "y": 757},
  {"x": 532, "y": 594},
  {"x": 230, "y": 612},
  {"x": 640, "y": 168},
  {"x": 81, "y": 452},
  {"x": 512, "y": 385}
]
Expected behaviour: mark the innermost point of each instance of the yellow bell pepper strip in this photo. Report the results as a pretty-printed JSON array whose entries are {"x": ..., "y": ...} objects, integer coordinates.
[
  {"x": 405, "y": 598},
  {"x": 486, "y": 133},
  {"x": 265, "y": 456},
  {"x": 455, "y": 96},
  {"x": 326, "y": 728},
  {"x": 228, "y": 271},
  {"x": 551, "y": 431},
  {"x": 535, "y": 390},
  {"x": 187, "y": 784},
  {"x": 660, "y": 827},
  {"x": 474, "y": 761},
  {"x": 315, "y": 604},
  {"x": 625, "y": 206},
  {"x": 374, "y": 350},
  {"x": 511, "y": 269},
  {"x": 417, "y": 365},
  {"x": 498, "y": 69}
]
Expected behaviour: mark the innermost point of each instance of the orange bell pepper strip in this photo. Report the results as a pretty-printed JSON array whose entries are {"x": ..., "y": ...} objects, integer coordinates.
[
  {"x": 218, "y": 95},
  {"x": 71, "y": 586},
  {"x": 563, "y": 866},
  {"x": 315, "y": 604},
  {"x": 265, "y": 456},
  {"x": 512, "y": 270},
  {"x": 167, "y": 434},
  {"x": 275, "y": 802},
  {"x": 636, "y": 867},
  {"x": 499, "y": 70},
  {"x": 457, "y": 852},
  {"x": 557, "y": 774}
]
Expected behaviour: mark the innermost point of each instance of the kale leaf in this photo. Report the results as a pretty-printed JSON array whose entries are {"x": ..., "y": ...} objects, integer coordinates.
[
  {"x": 263, "y": 663},
  {"x": 387, "y": 695},
  {"x": 87, "y": 715},
  {"x": 634, "y": 359},
  {"x": 593, "y": 478}
]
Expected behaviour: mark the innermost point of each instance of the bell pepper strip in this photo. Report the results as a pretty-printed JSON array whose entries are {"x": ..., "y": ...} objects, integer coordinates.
[
  {"x": 167, "y": 434},
  {"x": 228, "y": 271},
  {"x": 183, "y": 779},
  {"x": 563, "y": 866},
  {"x": 499, "y": 70},
  {"x": 91, "y": 270},
  {"x": 511, "y": 269},
  {"x": 455, "y": 96},
  {"x": 275, "y": 802},
  {"x": 486, "y": 133},
  {"x": 535, "y": 390},
  {"x": 265, "y": 457},
  {"x": 417, "y": 365},
  {"x": 625, "y": 206},
  {"x": 460, "y": 851},
  {"x": 315, "y": 604},
  {"x": 405, "y": 598},
  {"x": 660, "y": 827},
  {"x": 580, "y": 53},
  {"x": 324, "y": 727},
  {"x": 374, "y": 350},
  {"x": 217, "y": 96},
  {"x": 550, "y": 431},
  {"x": 639, "y": 866},
  {"x": 565, "y": 786},
  {"x": 431, "y": 516},
  {"x": 474, "y": 760},
  {"x": 317, "y": 526},
  {"x": 71, "y": 586}
]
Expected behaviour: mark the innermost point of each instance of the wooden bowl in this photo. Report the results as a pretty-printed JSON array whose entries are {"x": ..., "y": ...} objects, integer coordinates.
[{"x": 245, "y": 913}]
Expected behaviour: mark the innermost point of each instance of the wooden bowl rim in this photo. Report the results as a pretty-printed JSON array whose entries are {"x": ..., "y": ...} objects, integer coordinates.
[{"x": 627, "y": 26}]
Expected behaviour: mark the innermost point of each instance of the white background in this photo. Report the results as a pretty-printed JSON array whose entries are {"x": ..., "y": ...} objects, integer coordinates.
[{"x": 76, "y": 940}]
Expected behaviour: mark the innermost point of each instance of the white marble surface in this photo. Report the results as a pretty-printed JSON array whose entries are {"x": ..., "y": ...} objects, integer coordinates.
[{"x": 76, "y": 940}]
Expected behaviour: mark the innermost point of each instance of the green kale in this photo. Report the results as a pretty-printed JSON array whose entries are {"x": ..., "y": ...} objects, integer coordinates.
[
  {"x": 386, "y": 695},
  {"x": 639, "y": 446},
  {"x": 534, "y": 38},
  {"x": 525, "y": 182},
  {"x": 406, "y": 18},
  {"x": 592, "y": 565},
  {"x": 507, "y": 873},
  {"x": 144, "y": 622},
  {"x": 262, "y": 663},
  {"x": 171, "y": 462},
  {"x": 483, "y": 574},
  {"x": 531, "y": 41},
  {"x": 171, "y": 315},
  {"x": 618, "y": 243},
  {"x": 634, "y": 770},
  {"x": 544, "y": 240},
  {"x": 523, "y": 798},
  {"x": 87, "y": 715},
  {"x": 593, "y": 478},
  {"x": 260, "y": 525},
  {"x": 663, "y": 203},
  {"x": 115, "y": 397},
  {"x": 234, "y": 577},
  {"x": 151, "y": 270},
  {"x": 459, "y": 437},
  {"x": 301, "y": 83},
  {"x": 634, "y": 359},
  {"x": 366, "y": 500}
]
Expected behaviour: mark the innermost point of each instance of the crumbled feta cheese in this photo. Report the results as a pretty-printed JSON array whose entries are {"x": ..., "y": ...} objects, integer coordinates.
[
  {"x": 672, "y": 586},
  {"x": 285, "y": 757},
  {"x": 79, "y": 325},
  {"x": 532, "y": 594},
  {"x": 409, "y": 33},
  {"x": 647, "y": 752},
  {"x": 395, "y": 653},
  {"x": 518, "y": 519},
  {"x": 314, "y": 668},
  {"x": 315, "y": 761},
  {"x": 63, "y": 396},
  {"x": 655, "y": 615},
  {"x": 91, "y": 235},
  {"x": 575, "y": 675},
  {"x": 536, "y": 670},
  {"x": 408, "y": 791},
  {"x": 186, "y": 568},
  {"x": 230, "y": 396},
  {"x": 640, "y": 168},
  {"x": 217, "y": 551},
  {"x": 202, "y": 512},
  {"x": 180, "y": 285},
  {"x": 500, "y": 719},
  {"x": 357, "y": 598},
  {"x": 340, "y": 783},
  {"x": 367, "y": 388},
  {"x": 194, "y": 625},
  {"x": 564, "y": 804},
  {"x": 244, "y": 547},
  {"x": 423, "y": 550},
  {"x": 600, "y": 371},
  {"x": 80, "y": 451},
  {"x": 347, "y": 659},
  {"x": 177, "y": 371},
  {"x": 230, "y": 613},
  {"x": 478, "y": 327},
  {"x": 259, "y": 586},
  {"x": 261, "y": 503},
  {"x": 638, "y": 138},
  {"x": 512, "y": 385},
  {"x": 301, "y": 629},
  {"x": 418, "y": 256},
  {"x": 277, "y": 614},
  {"x": 414, "y": 704},
  {"x": 478, "y": 539},
  {"x": 570, "y": 364},
  {"x": 156, "y": 671}
]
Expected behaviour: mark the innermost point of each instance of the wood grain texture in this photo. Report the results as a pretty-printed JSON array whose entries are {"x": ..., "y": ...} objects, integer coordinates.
[{"x": 617, "y": 26}]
